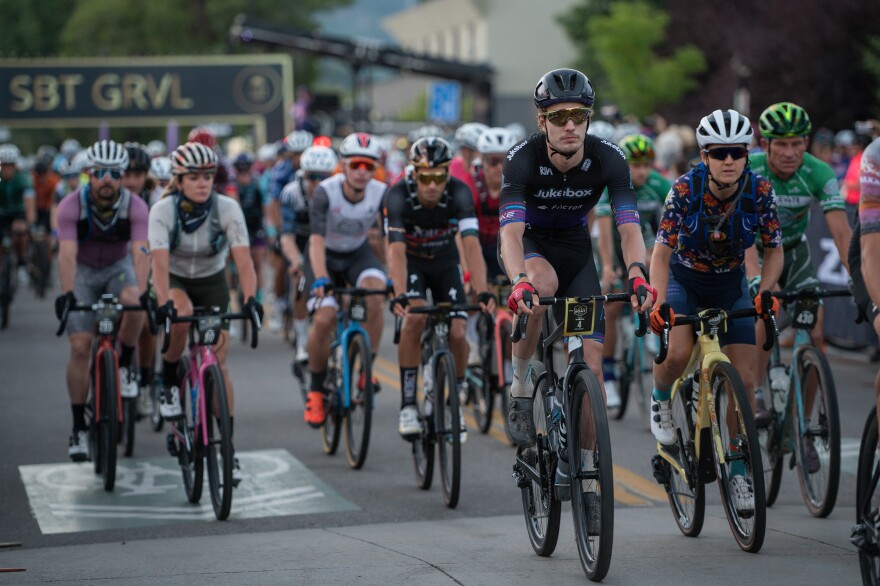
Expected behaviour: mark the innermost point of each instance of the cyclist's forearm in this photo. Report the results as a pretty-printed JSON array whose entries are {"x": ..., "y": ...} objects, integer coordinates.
[
  {"x": 141, "y": 263},
  {"x": 462, "y": 254},
  {"x": 752, "y": 262},
  {"x": 289, "y": 249},
  {"x": 660, "y": 270},
  {"x": 512, "y": 249},
  {"x": 772, "y": 268},
  {"x": 30, "y": 210},
  {"x": 159, "y": 267},
  {"x": 318, "y": 255},
  {"x": 606, "y": 241},
  {"x": 244, "y": 264},
  {"x": 633, "y": 247},
  {"x": 475, "y": 261},
  {"x": 67, "y": 264},
  {"x": 397, "y": 266}
]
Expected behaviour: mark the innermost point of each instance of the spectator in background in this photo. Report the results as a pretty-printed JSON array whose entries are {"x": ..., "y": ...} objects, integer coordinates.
[
  {"x": 849, "y": 189},
  {"x": 822, "y": 145},
  {"x": 844, "y": 150}
]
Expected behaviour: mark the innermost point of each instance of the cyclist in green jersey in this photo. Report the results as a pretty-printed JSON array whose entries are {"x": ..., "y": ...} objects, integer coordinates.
[
  {"x": 18, "y": 208},
  {"x": 651, "y": 189},
  {"x": 798, "y": 179}
]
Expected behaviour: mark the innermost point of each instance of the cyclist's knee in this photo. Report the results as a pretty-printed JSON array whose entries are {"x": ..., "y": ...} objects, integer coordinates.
[
  {"x": 324, "y": 319},
  {"x": 414, "y": 322},
  {"x": 182, "y": 303},
  {"x": 129, "y": 296},
  {"x": 457, "y": 330},
  {"x": 80, "y": 347}
]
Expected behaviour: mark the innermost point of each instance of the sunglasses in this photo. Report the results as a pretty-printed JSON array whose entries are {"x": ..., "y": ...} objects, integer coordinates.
[
  {"x": 316, "y": 176},
  {"x": 428, "y": 178},
  {"x": 114, "y": 174},
  {"x": 362, "y": 166},
  {"x": 494, "y": 161},
  {"x": 561, "y": 117},
  {"x": 721, "y": 153}
]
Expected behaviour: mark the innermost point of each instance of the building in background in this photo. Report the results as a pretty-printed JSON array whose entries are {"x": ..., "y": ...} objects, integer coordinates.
[{"x": 520, "y": 39}]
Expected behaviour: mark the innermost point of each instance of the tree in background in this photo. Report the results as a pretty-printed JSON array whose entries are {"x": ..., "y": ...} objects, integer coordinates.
[
  {"x": 872, "y": 65},
  {"x": 624, "y": 42}
]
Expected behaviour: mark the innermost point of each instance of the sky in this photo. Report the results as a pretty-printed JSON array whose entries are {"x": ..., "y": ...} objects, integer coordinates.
[{"x": 362, "y": 19}]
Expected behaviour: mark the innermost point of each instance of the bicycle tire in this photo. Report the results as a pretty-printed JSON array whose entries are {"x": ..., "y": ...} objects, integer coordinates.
[
  {"x": 504, "y": 391},
  {"x": 41, "y": 267},
  {"x": 423, "y": 446},
  {"x": 108, "y": 430},
  {"x": 819, "y": 491},
  {"x": 867, "y": 499},
  {"x": 772, "y": 458},
  {"x": 219, "y": 454},
  {"x": 644, "y": 379},
  {"x": 358, "y": 417},
  {"x": 156, "y": 384},
  {"x": 479, "y": 378},
  {"x": 129, "y": 417},
  {"x": 591, "y": 459},
  {"x": 748, "y": 528},
  {"x": 7, "y": 289},
  {"x": 447, "y": 417},
  {"x": 331, "y": 429},
  {"x": 190, "y": 454},
  {"x": 687, "y": 497},
  {"x": 541, "y": 509}
]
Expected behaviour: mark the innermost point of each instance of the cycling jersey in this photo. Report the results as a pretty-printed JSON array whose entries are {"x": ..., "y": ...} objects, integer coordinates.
[
  {"x": 534, "y": 191},
  {"x": 295, "y": 211},
  {"x": 280, "y": 175},
  {"x": 813, "y": 180},
  {"x": 429, "y": 232},
  {"x": 194, "y": 256},
  {"x": 649, "y": 200},
  {"x": 487, "y": 209},
  {"x": 869, "y": 182},
  {"x": 697, "y": 243},
  {"x": 105, "y": 240},
  {"x": 251, "y": 200},
  {"x": 13, "y": 193},
  {"x": 44, "y": 189},
  {"x": 344, "y": 224}
]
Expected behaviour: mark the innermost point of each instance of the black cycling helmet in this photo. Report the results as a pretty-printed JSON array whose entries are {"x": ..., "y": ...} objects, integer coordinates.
[
  {"x": 243, "y": 161},
  {"x": 138, "y": 157},
  {"x": 431, "y": 151},
  {"x": 564, "y": 85}
]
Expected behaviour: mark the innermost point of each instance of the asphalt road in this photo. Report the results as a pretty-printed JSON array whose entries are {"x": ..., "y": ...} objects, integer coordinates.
[{"x": 295, "y": 494}]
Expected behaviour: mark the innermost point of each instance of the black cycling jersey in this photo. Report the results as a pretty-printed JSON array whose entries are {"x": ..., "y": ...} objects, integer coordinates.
[
  {"x": 429, "y": 232},
  {"x": 534, "y": 191}
]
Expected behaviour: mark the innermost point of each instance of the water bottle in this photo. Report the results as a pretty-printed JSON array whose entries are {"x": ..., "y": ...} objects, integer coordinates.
[
  {"x": 779, "y": 386},
  {"x": 428, "y": 380},
  {"x": 338, "y": 354},
  {"x": 557, "y": 432}
]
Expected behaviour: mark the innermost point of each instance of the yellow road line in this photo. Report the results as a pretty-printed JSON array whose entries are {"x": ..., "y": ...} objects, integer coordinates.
[
  {"x": 621, "y": 494},
  {"x": 639, "y": 484}
]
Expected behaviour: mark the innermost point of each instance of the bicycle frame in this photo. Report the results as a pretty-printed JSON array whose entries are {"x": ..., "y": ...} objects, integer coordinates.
[
  {"x": 345, "y": 329},
  {"x": 802, "y": 341},
  {"x": 503, "y": 317}
]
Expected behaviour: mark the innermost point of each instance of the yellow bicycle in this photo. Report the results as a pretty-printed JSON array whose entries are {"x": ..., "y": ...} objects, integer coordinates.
[{"x": 716, "y": 436}]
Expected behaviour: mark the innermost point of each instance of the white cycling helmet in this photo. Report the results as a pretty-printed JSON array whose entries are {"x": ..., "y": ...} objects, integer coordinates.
[
  {"x": 724, "y": 127},
  {"x": 82, "y": 160},
  {"x": 267, "y": 152},
  {"x": 193, "y": 157},
  {"x": 601, "y": 130},
  {"x": 518, "y": 130},
  {"x": 70, "y": 147},
  {"x": 9, "y": 153},
  {"x": 424, "y": 132},
  {"x": 160, "y": 168},
  {"x": 318, "y": 159},
  {"x": 468, "y": 134},
  {"x": 496, "y": 140},
  {"x": 70, "y": 168},
  {"x": 298, "y": 141},
  {"x": 360, "y": 144},
  {"x": 108, "y": 154},
  {"x": 157, "y": 148}
]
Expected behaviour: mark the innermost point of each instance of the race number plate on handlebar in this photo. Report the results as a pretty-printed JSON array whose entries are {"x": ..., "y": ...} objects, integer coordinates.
[
  {"x": 208, "y": 329},
  {"x": 580, "y": 318},
  {"x": 358, "y": 309},
  {"x": 806, "y": 312}
]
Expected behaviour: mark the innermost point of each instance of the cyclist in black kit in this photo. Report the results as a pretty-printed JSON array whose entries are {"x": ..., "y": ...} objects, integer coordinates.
[
  {"x": 423, "y": 212},
  {"x": 550, "y": 182}
]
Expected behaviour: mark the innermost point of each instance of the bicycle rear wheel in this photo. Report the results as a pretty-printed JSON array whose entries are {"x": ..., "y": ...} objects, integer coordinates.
[
  {"x": 868, "y": 503},
  {"x": 741, "y": 457},
  {"x": 156, "y": 385},
  {"x": 820, "y": 427},
  {"x": 358, "y": 418},
  {"x": 40, "y": 267},
  {"x": 332, "y": 428},
  {"x": 108, "y": 429},
  {"x": 129, "y": 417},
  {"x": 423, "y": 446},
  {"x": 7, "y": 288},
  {"x": 643, "y": 377},
  {"x": 541, "y": 509},
  {"x": 219, "y": 453},
  {"x": 479, "y": 378},
  {"x": 447, "y": 417},
  {"x": 770, "y": 439},
  {"x": 687, "y": 496},
  {"x": 589, "y": 458}
]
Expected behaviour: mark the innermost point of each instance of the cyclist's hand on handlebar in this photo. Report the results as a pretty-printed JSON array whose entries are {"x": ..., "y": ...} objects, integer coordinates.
[
  {"x": 399, "y": 304},
  {"x": 760, "y": 308},
  {"x": 295, "y": 270},
  {"x": 63, "y": 303},
  {"x": 318, "y": 287},
  {"x": 522, "y": 291},
  {"x": 166, "y": 311},
  {"x": 251, "y": 306},
  {"x": 650, "y": 297},
  {"x": 657, "y": 320},
  {"x": 487, "y": 301}
]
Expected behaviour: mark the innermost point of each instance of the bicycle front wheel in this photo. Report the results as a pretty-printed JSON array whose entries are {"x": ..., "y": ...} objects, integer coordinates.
[
  {"x": 129, "y": 417},
  {"x": 40, "y": 267},
  {"x": 108, "y": 429},
  {"x": 817, "y": 434},
  {"x": 687, "y": 496},
  {"x": 738, "y": 466},
  {"x": 868, "y": 503},
  {"x": 358, "y": 417},
  {"x": 447, "y": 418},
  {"x": 423, "y": 446},
  {"x": 186, "y": 438},
  {"x": 589, "y": 459},
  {"x": 219, "y": 453},
  {"x": 540, "y": 507}
]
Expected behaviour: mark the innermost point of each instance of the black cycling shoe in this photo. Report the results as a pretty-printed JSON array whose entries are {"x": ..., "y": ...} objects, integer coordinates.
[{"x": 521, "y": 422}]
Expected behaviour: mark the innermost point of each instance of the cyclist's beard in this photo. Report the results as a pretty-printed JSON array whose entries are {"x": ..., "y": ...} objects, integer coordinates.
[
  {"x": 555, "y": 151},
  {"x": 105, "y": 197}
]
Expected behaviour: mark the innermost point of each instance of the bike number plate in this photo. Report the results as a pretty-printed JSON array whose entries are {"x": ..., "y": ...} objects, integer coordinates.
[
  {"x": 580, "y": 318},
  {"x": 358, "y": 309},
  {"x": 208, "y": 329},
  {"x": 806, "y": 312}
]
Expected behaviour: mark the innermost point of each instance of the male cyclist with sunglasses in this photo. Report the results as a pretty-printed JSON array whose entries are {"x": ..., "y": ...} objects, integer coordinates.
[
  {"x": 423, "y": 213},
  {"x": 316, "y": 164},
  {"x": 798, "y": 179},
  {"x": 551, "y": 182},
  {"x": 343, "y": 210},
  {"x": 102, "y": 234},
  {"x": 711, "y": 217}
]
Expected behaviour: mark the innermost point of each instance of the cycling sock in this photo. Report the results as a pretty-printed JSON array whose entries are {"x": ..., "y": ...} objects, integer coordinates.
[
  {"x": 459, "y": 385},
  {"x": 125, "y": 355},
  {"x": 408, "y": 386},
  {"x": 301, "y": 327},
  {"x": 519, "y": 387},
  {"x": 661, "y": 394},
  {"x": 79, "y": 417},
  {"x": 737, "y": 467},
  {"x": 471, "y": 334},
  {"x": 146, "y": 376},
  {"x": 318, "y": 381},
  {"x": 608, "y": 368},
  {"x": 259, "y": 296},
  {"x": 169, "y": 373}
]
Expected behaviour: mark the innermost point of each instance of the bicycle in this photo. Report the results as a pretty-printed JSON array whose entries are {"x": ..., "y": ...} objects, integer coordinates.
[
  {"x": 349, "y": 404},
  {"x": 634, "y": 371},
  {"x": 104, "y": 409},
  {"x": 804, "y": 416},
  {"x": 493, "y": 375},
  {"x": 705, "y": 399},
  {"x": 193, "y": 438},
  {"x": 572, "y": 439},
  {"x": 866, "y": 533},
  {"x": 439, "y": 405},
  {"x": 7, "y": 278},
  {"x": 39, "y": 261}
]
